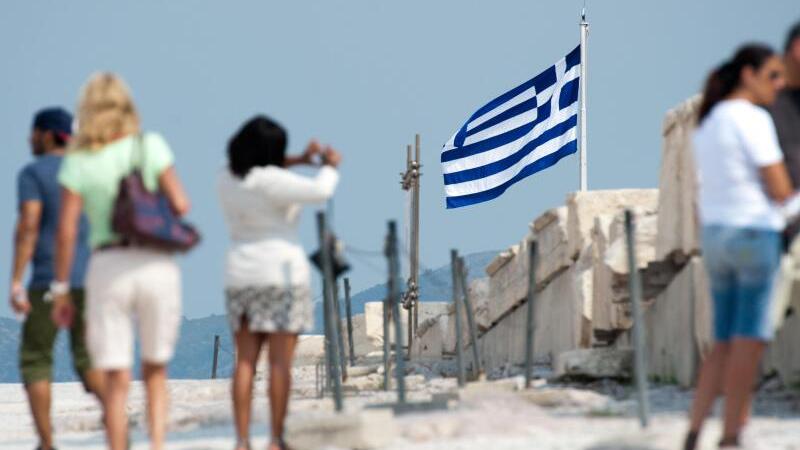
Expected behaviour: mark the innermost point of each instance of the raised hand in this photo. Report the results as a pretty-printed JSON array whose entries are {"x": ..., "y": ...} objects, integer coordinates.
[
  {"x": 331, "y": 157},
  {"x": 312, "y": 149}
]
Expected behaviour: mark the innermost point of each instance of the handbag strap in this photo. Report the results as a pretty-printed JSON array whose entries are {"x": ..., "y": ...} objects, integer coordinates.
[{"x": 138, "y": 155}]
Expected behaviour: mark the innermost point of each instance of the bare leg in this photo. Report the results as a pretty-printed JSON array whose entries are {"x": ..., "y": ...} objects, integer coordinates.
[
  {"x": 96, "y": 383},
  {"x": 708, "y": 389},
  {"x": 281, "y": 350},
  {"x": 248, "y": 346},
  {"x": 740, "y": 376},
  {"x": 155, "y": 381},
  {"x": 117, "y": 385},
  {"x": 39, "y": 401}
]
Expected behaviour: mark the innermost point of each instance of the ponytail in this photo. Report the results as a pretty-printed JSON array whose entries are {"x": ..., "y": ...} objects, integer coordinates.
[{"x": 726, "y": 78}]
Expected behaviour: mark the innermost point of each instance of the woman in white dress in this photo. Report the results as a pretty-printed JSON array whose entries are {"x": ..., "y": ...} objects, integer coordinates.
[{"x": 267, "y": 283}]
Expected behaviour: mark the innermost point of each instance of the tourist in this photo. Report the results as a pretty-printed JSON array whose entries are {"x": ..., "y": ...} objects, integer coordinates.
[
  {"x": 786, "y": 114},
  {"x": 126, "y": 284},
  {"x": 39, "y": 204},
  {"x": 267, "y": 282},
  {"x": 742, "y": 181}
]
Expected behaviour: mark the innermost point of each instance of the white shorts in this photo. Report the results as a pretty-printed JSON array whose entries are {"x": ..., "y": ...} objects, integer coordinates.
[{"x": 127, "y": 284}]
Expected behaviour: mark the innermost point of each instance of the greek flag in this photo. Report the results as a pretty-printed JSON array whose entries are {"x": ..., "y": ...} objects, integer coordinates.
[{"x": 521, "y": 132}]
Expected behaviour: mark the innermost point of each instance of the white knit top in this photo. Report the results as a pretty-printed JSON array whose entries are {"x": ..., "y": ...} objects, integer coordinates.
[{"x": 262, "y": 211}]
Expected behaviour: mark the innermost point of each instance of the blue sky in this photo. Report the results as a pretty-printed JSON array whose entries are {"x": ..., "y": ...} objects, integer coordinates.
[{"x": 365, "y": 76}]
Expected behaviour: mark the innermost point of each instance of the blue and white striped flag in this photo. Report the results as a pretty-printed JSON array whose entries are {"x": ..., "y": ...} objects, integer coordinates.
[{"x": 525, "y": 130}]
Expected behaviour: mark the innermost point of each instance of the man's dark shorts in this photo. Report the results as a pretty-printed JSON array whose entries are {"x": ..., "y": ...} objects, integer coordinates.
[{"x": 39, "y": 334}]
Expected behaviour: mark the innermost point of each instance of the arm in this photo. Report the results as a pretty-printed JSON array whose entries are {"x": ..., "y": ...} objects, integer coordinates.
[
  {"x": 293, "y": 188},
  {"x": 25, "y": 237},
  {"x": 776, "y": 182},
  {"x": 68, "y": 223},
  {"x": 292, "y": 160},
  {"x": 760, "y": 141},
  {"x": 313, "y": 148},
  {"x": 288, "y": 187},
  {"x": 170, "y": 184}
]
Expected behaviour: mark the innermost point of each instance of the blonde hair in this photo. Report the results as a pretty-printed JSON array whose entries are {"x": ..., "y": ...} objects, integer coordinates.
[{"x": 105, "y": 112}]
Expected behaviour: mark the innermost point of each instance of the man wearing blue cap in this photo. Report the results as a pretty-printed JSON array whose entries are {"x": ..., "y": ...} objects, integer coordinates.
[{"x": 39, "y": 201}]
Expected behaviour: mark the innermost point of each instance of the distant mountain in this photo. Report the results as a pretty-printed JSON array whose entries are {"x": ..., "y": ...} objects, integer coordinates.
[{"x": 194, "y": 351}]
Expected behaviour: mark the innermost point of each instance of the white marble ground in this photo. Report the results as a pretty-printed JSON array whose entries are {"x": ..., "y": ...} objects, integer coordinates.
[{"x": 200, "y": 419}]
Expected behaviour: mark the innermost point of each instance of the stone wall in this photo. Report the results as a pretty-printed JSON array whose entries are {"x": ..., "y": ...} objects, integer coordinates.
[
  {"x": 678, "y": 326},
  {"x": 678, "y": 235},
  {"x": 783, "y": 355},
  {"x": 611, "y": 300},
  {"x": 373, "y": 318},
  {"x": 569, "y": 279}
]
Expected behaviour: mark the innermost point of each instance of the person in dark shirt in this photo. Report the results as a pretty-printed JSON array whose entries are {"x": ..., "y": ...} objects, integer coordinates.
[
  {"x": 39, "y": 205},
  {"x": 786, "y": 115}
]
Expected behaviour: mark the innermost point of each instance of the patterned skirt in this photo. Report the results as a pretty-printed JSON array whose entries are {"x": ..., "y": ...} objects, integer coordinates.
[{"x": 270, "y": 309}]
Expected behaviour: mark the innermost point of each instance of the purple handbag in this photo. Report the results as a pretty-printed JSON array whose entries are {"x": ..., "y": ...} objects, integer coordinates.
[{"x": 145, "y": 219}]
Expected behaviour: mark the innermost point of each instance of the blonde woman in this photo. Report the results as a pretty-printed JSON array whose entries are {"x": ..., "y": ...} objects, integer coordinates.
[{"x": 125, "y": 284}]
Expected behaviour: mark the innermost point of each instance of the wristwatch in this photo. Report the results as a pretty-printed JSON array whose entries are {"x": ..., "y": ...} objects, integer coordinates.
[{"x": 59, "y": 287}]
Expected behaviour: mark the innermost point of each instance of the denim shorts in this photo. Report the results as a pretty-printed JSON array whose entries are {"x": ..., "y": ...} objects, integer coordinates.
[{"x": 742, "y": 264}]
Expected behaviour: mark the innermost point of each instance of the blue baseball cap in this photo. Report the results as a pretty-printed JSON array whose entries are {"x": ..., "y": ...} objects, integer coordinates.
[{"x": 55, "y": 119}]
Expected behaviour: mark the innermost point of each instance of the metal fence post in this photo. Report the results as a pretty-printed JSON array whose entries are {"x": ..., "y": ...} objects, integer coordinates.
[
  {"x": 640, "y": 363},
  {"x": 457, "y": 305},
  {"x": 409, "y": 301},
  {"x": 328, "y": 285},
  {"x": 473, "y": 329},
  {"x": 349, "y": 311},
  {"x": 215, "y": 358},
  {"x": 410, "y": 182},
  {"x": 410, "y": 332},
  {"x": 394, "y": 298},
  {"x": 415, "y": 237},
  {"x": 337, "y": 315},
  {"x": 386, "y": 349},
  {"x": 531, "y": 325},
  {"x": 319, "y": 382},
  {"x": 328, "y": 377}
]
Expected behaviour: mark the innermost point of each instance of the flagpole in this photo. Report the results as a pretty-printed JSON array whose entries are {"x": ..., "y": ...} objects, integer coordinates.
[{"x": 584, "y": 32}]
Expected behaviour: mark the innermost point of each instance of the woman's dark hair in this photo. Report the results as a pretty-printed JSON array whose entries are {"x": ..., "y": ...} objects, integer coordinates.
[
  {"x": 791, "y": 36},
  {"x": 260, "y": 142},
  {"x": 725, "y": 79}
]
